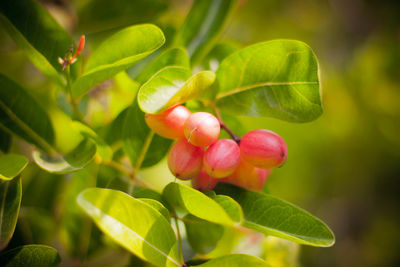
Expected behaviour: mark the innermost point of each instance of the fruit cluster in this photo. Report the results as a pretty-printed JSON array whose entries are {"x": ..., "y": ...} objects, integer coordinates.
[{"x": 200, "y": 156}]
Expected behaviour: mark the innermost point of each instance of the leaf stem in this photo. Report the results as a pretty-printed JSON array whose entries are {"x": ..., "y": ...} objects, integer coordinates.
[
  {"x": 179, "y": 238},
  {"x": 223, "y": 125},
  {"x": 73, "y": 102},
  {"x": 144, "y": 150}
]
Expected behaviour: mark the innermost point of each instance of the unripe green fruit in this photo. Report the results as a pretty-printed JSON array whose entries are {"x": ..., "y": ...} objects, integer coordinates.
[
  {"x": 169, "y": 124},
  {"x": 203, "y": 181},
  {"x": 247, "y": 176},
  {"x": 221, "y": 158},
  {"x": 263, "y": 149},
  {"x": 202, "y": 129},
  {"x": 185, "y": 160}
]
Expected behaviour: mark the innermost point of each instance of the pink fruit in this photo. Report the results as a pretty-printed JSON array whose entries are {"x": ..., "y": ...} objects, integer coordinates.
[
  {"x": 185, "y": 160},
  {"x": 221, "y": 158},
  {"x": 247, "y": 176},
  {"x": 203, "y": 181},
  {"x": 263, "y": 149},
  {"x": 202, "y": 129},
  {"x": 169, "y": 124}
]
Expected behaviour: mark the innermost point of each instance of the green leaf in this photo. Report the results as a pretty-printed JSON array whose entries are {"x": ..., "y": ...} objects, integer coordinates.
[
  {"x": 219, "y": 52},
  {"x": 171, "y": 86},
  {"x": 38, "y": 34},
  {"x": 202, "y": 235},
  {"x": 231, "y": 207},
  {"x": 10, "y": 196},
  {"x": 185, "y": 198},
  {"x": 21, "y": 115},
  {"x": 117, "y": 53},
  {"x": 31, "y": 255},
  {"x": 203, "y": 25},
  {"x": 277, "y": 79},
  {"x": 142, "y": 146},
  {"x": 11, "y": 165},
  {"x": 235, "y": 260},
  {"x": 133, "y": 224},
  {"x": 273, "y": 216},
  {"x": 75, "y": 160},
  {"x": 176, "y": 56},
  {"x": 5, "y": 141},
  {"x": 158, "y": 206}
]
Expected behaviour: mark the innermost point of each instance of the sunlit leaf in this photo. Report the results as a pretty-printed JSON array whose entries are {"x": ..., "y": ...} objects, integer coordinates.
[
  {"x": 272, "y": 216},
  {"x": 75, "y": 160},
  {"x": 171, "y": 86},
  {"x": 133, "y": 224},
  {"x": 158, "y": 206},
  {"x": 277, "y": 79},
  {"x": 235, "y": 260},
  {"x": 203, "y": 25},
  {"x": 11, "y": 165},
  {"x": 176, "y": 56},
  {"x": 38, "y": 34},
  {"x": 10, "y": 196},
  {"x": 117, "y": 53},
  {"x": 231, "y": 207},
  {"x": 192, "y": 201},
  {"x": 31, "y": 255}
]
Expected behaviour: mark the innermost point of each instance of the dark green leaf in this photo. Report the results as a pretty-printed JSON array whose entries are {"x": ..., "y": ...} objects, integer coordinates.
[
  {"x": 185, "y": 198},
  {"x": 202, "y": 235},
  {"x": 5, "y": 141},
  {"x": 117, "y": 53},
  {"x": 171, "y": 86},
  {"x": 38, "y": 34},
  {"x": 11, "y": 165},
  {"x": 133, "y": 224},
  {"x": 172, "y": 57},
  {"x": 31, "y": 255},
  {"x": 137, "y": 137},
  {"x": 10, "y": 196},
  {"x": 219, "y": 52},
  {"x": 276, "y": 79},
  {"x": 74, "y": 160},
  {"x": 272, "y": 216},
  {"x": 203, "y": 26},
  {"x": 21, "y": 115},
  {"x": 235, "y": 260}
]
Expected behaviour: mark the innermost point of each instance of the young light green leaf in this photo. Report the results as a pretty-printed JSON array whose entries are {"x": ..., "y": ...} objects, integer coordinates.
[
  {"x": 202, "y": 235},
  {"x": 117, "y": 53},
  {"x": 203, "y": 25},
  {"x": 175, "y": 56},
  {"x": 235, "y": 260},
  {"x": 11, "y": 165},
  {"x": 277, "y": 79},
  {"x": 10, "y": 196},
  {"x": 38, "y": 34},
  {"x": 272, "y": 216},
  {"x": 21, "y": 115},
  {"x": 172, "y": 86},
  {"x": 31, "y": 255},
  {"x": 196, "y": 203},
  {"x": 231, "y": 207},
  {"x": 133, "y": 224},
  {"x": 75, "y": 160}
]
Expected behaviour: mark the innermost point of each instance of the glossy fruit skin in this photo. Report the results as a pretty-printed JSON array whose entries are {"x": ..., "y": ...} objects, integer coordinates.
[
  {"x": 263, "y": 149},
  {"x": 221, "y": 158},
  {"x": 203, "y": 181},
  {"x": 247, "y": 176},
  {"x": 202, "y": 129},
  {"x": 185, "y": 160},
  {"x": 169, "y": 123}
]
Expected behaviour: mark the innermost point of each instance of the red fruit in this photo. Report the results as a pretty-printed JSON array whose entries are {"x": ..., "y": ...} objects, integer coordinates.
[
  {"x": 169, "y": 124},
  {"x": 202, "y": 129},
  {"x": 221, "y": 158},
  {"x": 248, "y": 176},
  {"x": 185, "y": 160},
  {"x": 203, "y": 181},
  {"x": 263, "y": 149}
]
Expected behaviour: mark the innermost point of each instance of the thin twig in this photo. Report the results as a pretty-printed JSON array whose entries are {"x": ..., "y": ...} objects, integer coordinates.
[{"x": 223, "y": 125}]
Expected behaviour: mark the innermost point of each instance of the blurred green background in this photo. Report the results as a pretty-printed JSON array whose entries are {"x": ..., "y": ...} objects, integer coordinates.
[{"x": 345, "y": 166}]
